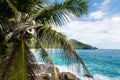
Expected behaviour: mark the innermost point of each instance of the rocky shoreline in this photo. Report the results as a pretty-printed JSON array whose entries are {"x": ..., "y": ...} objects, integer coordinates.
[{"x": 44, "y": 72}]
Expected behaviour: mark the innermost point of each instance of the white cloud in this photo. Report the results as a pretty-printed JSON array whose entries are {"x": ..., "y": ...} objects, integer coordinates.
[
  {"x": 105, "y": 2},
  {"x": 99, "y": 29},
  {"x": 97, "y": 15},
  {"x": 104, "y": 5},
  {"x": 115, "y": 19},
  {"x": 102, "y": 11},
  {"x": 103, "y": 34}
]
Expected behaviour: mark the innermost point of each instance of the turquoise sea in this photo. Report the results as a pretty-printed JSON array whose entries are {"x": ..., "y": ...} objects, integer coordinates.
[{"x": 103, "y": 64}]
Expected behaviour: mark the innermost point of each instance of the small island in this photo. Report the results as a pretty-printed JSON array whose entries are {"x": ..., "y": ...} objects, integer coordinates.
[{"x": 79, "y": 45}]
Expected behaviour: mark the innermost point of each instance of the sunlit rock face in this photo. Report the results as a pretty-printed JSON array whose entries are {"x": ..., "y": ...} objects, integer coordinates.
[{"x": 44, "y": 72}]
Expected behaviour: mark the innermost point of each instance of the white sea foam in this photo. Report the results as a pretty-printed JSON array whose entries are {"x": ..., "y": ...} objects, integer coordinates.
[
  {"x": 103, "y": 77},
  {"x": 96, "y": 76}
]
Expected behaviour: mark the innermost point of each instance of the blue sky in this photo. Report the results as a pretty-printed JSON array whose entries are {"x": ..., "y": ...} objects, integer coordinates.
[{"x": 100, "y": 28}]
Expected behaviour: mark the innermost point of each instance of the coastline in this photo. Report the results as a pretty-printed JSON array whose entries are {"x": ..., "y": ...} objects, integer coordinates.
[{"x": 45, "y": 72}]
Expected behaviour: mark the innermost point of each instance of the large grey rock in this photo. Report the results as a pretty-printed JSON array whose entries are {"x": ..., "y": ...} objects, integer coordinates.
[
  {"x": 68, "y": 76},
  {"x": 51, "y": 69},
  {"x": 44, "y": 72}
]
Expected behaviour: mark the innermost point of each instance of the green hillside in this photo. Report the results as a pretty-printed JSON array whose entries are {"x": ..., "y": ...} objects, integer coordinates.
[
  {"x": 80, "y": 45},
  {"x": 76, "y": 44}
]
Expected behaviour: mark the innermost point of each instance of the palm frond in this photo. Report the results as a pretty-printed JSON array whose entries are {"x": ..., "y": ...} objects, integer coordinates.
[
  {"x": 54, "y": 37},
  {"x": 60, "y": 13},
  {"x": 30, "y": 60},
  {"x": 45, "y": 57},
  {"x": 12, "y": 6},
  {"x": 19, "y": 70},
  {"x": 5, "y": 25},
  {"x": 10, "y": 62},
  {"x": 26, "y": 5},
  {"x": 20, "y": 63},
  {"x": 37, "y": 7},
  {"x": 14, "y": 10}
]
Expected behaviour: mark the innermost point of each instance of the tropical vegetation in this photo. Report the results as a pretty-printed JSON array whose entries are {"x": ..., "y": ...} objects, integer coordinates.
[
  {"x": 80, "y": 45},
  {"x": 23, "y": 20}
]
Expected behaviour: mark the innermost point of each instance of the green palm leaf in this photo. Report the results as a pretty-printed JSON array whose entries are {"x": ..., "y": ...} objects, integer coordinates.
[
  {"x": 6, "y": 71},
  {"x": 19, "y": 70},
  {"x": 60, "y": 13},
  {"x": 54, "y": 37},
  {"x": 20, "y": 64},
  {"x": 45, "y": 57},
  {"x": 19, "y": 16}
]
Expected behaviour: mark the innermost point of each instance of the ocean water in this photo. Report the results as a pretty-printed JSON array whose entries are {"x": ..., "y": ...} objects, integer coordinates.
[{"x": 103, "y": 64}]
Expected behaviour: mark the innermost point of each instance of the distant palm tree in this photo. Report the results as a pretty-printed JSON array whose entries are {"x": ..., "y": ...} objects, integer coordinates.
[{"x": 22, "y": 20}]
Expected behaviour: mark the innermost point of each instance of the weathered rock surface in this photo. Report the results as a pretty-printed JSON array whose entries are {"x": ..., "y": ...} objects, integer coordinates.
[
  {"x": 68, "y": 76},
  {"x": 44, "y": 72}
]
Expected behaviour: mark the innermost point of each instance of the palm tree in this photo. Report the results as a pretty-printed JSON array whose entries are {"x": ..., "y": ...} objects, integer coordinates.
[{"x": 22, "y": 20}]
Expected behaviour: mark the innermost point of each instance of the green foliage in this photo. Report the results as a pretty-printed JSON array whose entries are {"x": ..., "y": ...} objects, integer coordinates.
[
  {"x": 76, "y": 44},
  {"x": 57, "y": 13},
  {"x": 19, "y": 69},
  {"x": 18, "y": 18},
  {"x": 80, "y": 45}
]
